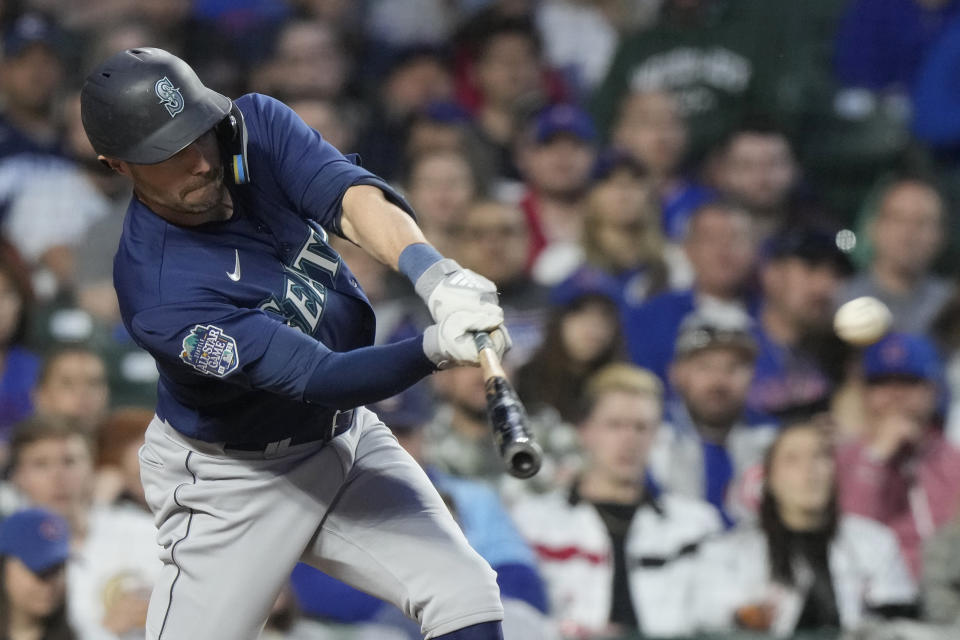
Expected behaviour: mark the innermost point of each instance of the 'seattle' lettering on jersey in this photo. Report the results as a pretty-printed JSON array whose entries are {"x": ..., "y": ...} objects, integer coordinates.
[{"x": 235, "y": 355}]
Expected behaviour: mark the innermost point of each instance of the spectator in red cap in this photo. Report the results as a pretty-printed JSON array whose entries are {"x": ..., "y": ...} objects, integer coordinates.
[
  {"x": 901, "y": 471},
  {"x": 34, "y": 547}
]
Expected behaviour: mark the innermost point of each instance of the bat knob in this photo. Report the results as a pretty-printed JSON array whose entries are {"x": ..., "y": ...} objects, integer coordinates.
[{"x": 523, "y": 458}]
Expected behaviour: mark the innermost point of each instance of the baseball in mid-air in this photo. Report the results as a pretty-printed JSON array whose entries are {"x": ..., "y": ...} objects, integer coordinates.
[{"x": 862, "y": 321}]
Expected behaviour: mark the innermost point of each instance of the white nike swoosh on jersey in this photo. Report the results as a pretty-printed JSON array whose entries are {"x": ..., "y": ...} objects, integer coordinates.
[{"x": 235, "y": 276}]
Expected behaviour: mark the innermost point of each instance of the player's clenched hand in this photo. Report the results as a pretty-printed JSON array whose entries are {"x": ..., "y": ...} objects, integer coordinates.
[
  {"x": 448, "y": 288},
  {"x": 450, "y": 342}
]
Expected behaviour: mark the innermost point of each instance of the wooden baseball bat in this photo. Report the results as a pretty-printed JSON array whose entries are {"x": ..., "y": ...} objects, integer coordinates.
[{"x": 508, "y": 418}]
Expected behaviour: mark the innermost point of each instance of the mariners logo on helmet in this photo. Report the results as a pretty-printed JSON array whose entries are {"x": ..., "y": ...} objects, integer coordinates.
[{"x": 169, "y": 95}]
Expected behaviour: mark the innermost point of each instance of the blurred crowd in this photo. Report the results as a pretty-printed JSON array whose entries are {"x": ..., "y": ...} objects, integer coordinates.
[{"x": 673, "y": 198}]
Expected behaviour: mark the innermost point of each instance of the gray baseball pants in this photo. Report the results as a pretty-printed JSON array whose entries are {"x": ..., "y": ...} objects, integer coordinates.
[{"x": 232, "y": 524}]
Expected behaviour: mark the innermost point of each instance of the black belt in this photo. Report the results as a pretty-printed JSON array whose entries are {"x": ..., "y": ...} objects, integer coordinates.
[{"x": 341, "y": 421}]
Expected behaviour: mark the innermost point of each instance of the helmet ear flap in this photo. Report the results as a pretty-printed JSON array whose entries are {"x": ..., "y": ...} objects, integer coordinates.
[{"x": 232, "y": 135}]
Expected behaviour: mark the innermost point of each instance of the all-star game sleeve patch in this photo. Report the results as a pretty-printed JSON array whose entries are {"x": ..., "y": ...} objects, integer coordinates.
[{"x": 209, "y": 350}]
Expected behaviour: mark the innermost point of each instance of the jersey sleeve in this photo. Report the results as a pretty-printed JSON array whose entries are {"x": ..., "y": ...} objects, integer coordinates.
[
  {"x": 252, "y": 349},
  {"x": 311, "y": 172},
  {"x": 240, "y": 346}
]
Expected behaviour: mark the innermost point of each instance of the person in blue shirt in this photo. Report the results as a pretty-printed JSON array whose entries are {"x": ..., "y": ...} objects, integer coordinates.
[
  {"x": 881, "y": 44},
  {"x": 721, "y": 246},
  {"x": 261, "y": 452},
  {"x": 801, "y": 274}
]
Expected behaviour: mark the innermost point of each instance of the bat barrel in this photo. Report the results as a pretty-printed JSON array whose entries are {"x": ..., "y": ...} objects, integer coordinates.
[{"x": 511, "y": 433}]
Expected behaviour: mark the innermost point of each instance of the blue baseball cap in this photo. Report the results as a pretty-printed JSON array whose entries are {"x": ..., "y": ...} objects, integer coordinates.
[
  {"x": 445, "y": 112},
  {"x": 29, "y": 29},
  {"x": 564, "y": 118},
  {"x": 583, "y": 283},
  {"x": 902, "y": 355},
  {"x": 38, "y": 538}
]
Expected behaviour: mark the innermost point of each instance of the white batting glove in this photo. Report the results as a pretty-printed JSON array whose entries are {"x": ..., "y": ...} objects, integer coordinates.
[
  {"x": 448, "y": 288},
  {"x": 450, "y": 343}
]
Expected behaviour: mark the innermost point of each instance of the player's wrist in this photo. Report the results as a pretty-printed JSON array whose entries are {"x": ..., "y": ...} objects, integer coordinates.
[{"x": 416, "y": 259}]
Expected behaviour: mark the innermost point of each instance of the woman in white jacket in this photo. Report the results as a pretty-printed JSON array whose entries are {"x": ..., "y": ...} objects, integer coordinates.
[{"x": 805, "y": 565}]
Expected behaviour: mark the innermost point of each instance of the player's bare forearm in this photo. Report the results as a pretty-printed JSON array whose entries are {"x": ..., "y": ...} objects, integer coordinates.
[{"x": 378, "y": 226}]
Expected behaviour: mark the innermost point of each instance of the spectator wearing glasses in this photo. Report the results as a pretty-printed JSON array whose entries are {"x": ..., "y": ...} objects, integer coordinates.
[{"x": 34, "y": 548}]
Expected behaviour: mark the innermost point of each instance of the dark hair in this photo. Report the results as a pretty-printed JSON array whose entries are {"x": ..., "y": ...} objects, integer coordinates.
[
  {"x": 756, "y": 125},
  {"x": 507, "y": 26},
  {"x": 551, "y": 377},
  {"x": 723, "y": 205},
  {"x": 52, "y": 356},
  {"x": 39, "y": 428},
  {"x": 775, "y": 530},
  {"x": 56, "y": 625}
]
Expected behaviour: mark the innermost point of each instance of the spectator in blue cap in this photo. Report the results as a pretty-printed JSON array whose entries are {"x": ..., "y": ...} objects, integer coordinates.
[
  {"x": 556, "y": 158},
  {"x": 31, "y": 73},
  {"x": 34, "y": 547},
  {"x": 900, "y": 470}
]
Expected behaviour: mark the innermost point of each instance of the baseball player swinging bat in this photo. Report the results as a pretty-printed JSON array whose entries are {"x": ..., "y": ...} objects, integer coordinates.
[{"x": 508, "y": 418}]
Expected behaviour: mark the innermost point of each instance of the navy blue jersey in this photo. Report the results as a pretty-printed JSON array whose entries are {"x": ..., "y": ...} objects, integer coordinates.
[{"x": 238, "y": 314}]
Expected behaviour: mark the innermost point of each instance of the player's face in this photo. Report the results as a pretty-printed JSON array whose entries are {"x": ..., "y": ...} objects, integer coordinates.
[
  {"x": 802, "y": 471},
  {"x": 33, "y": 596},
  {"x": 55, "y": 473},
  {"x": 188, "y": 185},
  {"x": 618, "y": 434}
]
